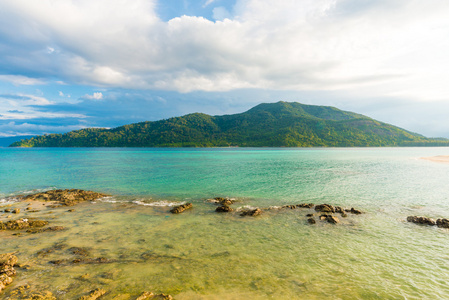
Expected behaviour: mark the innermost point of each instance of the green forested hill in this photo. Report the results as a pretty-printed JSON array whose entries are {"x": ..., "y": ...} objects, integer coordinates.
[{"x": 266, "y": 125}]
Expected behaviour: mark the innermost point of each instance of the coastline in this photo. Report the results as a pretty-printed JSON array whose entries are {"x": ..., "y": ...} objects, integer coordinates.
[{"x": 444, "y": 159}]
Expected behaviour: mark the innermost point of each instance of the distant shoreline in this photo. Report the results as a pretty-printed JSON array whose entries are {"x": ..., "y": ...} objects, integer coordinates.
[{"x": 439, "y": 159}]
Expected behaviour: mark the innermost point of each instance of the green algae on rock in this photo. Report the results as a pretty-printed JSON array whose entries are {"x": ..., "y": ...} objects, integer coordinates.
[{"x": 68, "y": 197}]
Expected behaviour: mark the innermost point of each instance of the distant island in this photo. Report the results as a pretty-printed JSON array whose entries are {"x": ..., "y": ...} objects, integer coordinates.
[{"x": 281, "y": 124}]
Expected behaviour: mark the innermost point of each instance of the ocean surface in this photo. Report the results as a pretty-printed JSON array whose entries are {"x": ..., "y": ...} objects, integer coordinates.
[{"x": 201, "y": 254}]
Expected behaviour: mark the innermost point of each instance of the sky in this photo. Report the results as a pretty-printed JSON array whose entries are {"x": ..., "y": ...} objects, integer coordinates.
[{"x": 67, "y": 65}]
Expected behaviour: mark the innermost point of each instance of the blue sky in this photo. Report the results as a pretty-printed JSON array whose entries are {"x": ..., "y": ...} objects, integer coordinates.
[{"x": 67, "y": 65}]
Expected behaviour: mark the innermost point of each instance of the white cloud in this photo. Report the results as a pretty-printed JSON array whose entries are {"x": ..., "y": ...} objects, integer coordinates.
[
  {"x": 94, "y": 96},
  {"x": 13, "y": 129},
  {"x": 392, "y": 48},
  {"x": 21, "y": 80}
]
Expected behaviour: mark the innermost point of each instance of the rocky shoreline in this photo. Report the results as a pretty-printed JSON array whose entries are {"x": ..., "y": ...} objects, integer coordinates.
[{"x": 58, "y": 199}]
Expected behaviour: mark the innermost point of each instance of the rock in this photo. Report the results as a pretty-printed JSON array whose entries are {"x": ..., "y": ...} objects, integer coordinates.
[
  {"x": 80, "y": 251},
  {"x": 421, "y": 220},
  {"x": 344, "y": 215},
  {"x": 354, "y": 211},
  {"x": 66, "y": 197},
  {"x": 179, "y": 209},
  {"x": 71, "y": 210},
  {"x": 16, "y": 211},
  {"x": 151, "y": 296},
  {"x": 222, "y": 201},
  {"x": 332, "y": 219},
  {"x": 305, "y": 205},
  {"x": 309, "y": 215},
  {"x": 251, "y": 212},
  {"x": 224, "y": 208},
  {"x": 323, "y": 217},
  {"x": 22, "y": 224},
  {"x": 7, "y": 210},
  {"x": 95, "y": 294},
  {"x": 7, "y": 262},
  {"x": 339, "y": 209},
  {"x": 8, "y": 259},
  {"x": 289, "y": 206},
  {"x": 325, "y": 208},
  {"x": 311, "y": 221},
  {"x": 443, "y": 223}
]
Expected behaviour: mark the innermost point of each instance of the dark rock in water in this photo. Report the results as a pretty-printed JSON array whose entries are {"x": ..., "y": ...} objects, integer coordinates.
[
  {"x": 16, "y": 211},
  {"x": 305, "y": 205},
  {"x": 21, "y": 224},
  {"x": 251, "y": 212},
  {"x": 66, "y": 197},
  {"x": 224, "y": 208},
  {"x": 289, "y": 206},
  {"x": 325, "y": 208},
  {"x": 311, "y": 221},
  {"x": 343, "y": 215},
  {"x": 323, "y": 217},
  {"x": 79, "y": 251},
  {"x": 355, "y": 211},
  {"x": 151, "y": 296},
  {"x": 309, "y": 215},
  {"x": 421, "y": 220},
  {"x": 222, "y": 201},
  {"x": 443, "y": 223},
  {"x": 179, "y": 209},
  {"x": 93, "y": 295},
  {"x": 7, "y": 210},
  {"x": 332, "y": 220},
  {"x": 339, "y": 209}
]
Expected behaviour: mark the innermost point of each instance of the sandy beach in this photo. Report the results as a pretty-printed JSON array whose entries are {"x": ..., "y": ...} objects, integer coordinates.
[{"x": 440, "y": 158}]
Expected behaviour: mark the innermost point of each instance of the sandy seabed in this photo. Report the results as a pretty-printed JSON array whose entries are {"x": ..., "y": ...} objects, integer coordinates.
[{"x": 439, "y": 158}]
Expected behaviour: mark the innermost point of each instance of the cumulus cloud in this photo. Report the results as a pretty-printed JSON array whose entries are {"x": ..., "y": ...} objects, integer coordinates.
[
  {"x": 21, "y": 80},
  {"x": 94, "y": 96},
  {"x": 396, "y": 48}
]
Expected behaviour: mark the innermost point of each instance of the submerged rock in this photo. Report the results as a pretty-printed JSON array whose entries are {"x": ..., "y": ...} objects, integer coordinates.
[
  {"x": 22, "y": 224},
  {"x": 224, "y": 208},
  {"x": 66, "y": 197},
  {"x": 421, "y": 220},
  {"x": 179, "y": 209},
  {"x": 251, "y": 212},
  {"x": 95, "y": 294},
  {"x": 151, "y": 296},
  {"x": 311, "y": 221},
  {"x": 222, "y": 201}
]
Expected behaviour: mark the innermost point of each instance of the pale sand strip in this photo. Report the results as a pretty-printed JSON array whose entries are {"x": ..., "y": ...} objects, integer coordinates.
[{"x": 440, "y": 159}]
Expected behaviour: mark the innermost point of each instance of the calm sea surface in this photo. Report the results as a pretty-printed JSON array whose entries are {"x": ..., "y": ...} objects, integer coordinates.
[{"x": 204, "y": 255}]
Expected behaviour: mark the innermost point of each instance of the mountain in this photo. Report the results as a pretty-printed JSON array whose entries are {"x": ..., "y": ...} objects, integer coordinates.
[
  {"x": 6, "y": 141},
  {"x": 280, "y": 124}
]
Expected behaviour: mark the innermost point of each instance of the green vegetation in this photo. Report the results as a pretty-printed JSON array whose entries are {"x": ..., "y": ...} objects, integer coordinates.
[{"x": 279, "y": 124}]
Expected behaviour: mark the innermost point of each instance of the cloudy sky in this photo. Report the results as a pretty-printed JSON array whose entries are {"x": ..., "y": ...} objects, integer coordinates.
[{"x": 66, "y": 64}]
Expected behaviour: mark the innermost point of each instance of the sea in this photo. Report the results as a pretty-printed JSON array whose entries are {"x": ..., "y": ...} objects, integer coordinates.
[{"x": 202, "y": 254}]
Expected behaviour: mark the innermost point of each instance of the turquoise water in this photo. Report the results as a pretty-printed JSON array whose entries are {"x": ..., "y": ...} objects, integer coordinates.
[{"x": 203, "y": 255}]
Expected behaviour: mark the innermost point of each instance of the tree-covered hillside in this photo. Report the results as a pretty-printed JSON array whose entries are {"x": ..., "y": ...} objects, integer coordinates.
[{"x": 280, "y": 124}]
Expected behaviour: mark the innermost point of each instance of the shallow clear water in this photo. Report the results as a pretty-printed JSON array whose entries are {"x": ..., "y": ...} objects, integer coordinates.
[{"x": 204, "y": 255}]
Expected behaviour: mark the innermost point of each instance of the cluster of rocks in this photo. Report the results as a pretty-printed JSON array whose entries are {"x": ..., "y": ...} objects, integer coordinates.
[
  {"x": 22, "y": 224},
  {"x": 68, "y": 197},
  {"x": 7, "y": 262},
  {"x": 327, "y": 210},
  {"x": 181, "y": 208},
  {"x": 442, "y": 223}
]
